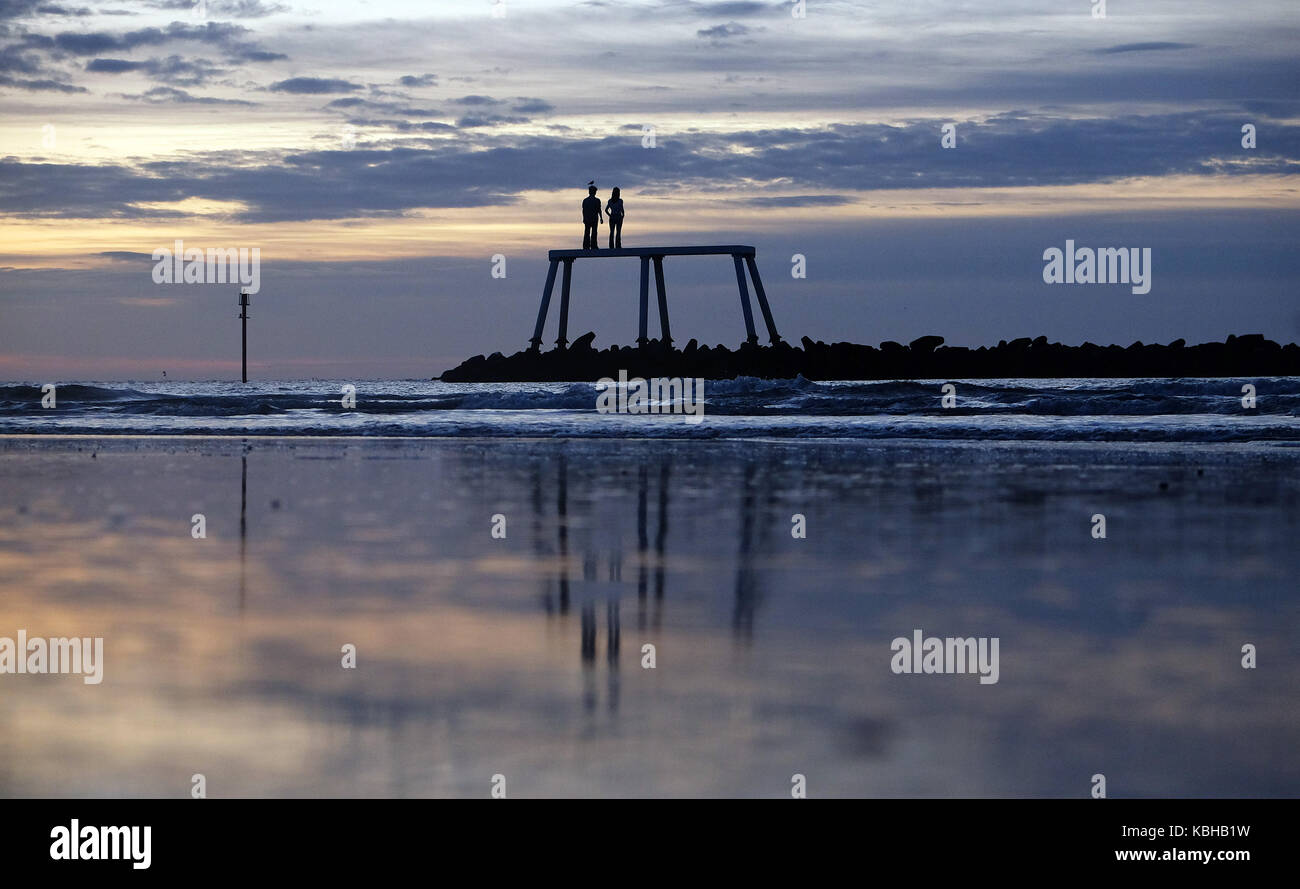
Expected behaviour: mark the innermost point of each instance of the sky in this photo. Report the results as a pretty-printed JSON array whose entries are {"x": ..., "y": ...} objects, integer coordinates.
[{"x": 378, "y": 156}]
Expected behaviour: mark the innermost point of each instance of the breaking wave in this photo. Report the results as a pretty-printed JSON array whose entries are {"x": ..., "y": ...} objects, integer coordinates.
[{"x": 1066, "y": 410}]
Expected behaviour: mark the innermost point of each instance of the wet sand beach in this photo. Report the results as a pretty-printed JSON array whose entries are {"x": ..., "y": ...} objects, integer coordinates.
[{"x": 522, "y": 655}]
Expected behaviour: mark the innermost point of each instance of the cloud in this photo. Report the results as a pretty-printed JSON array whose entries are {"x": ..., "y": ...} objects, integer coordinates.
[
  {"x": 44, "y": 85},
  {"x": 245, "y": 9},
  {"x": 224, "y": 36},
  {"x": 114, "y": 66},
  {"x": 479, "y": 101},
  {"x": 404, "y": 126},
  {"x": 735, "y": 9},
  {"x": 173, "y": 69},
  {"x": 13, "y": 60},
  {"x": 1144, "y": 47},
  {"x": 489, "y": 120},
  {"x": 418, "y": 80},
  {"x": 723, "y": 32},
  {"x": 55, "y": 9},
  {"x": 235, "y": 9},
  {"x": 400, "y": 108},
  {"x": 167, "y": 94},
  {"x": 13, "y": 9},
  {"x": 249, "y": 54},
  {"x": 314, "y": 85},
  {"x": 798, "y": 200},
  {"x": 91, "y": 43},
  {"x": 526, "y": 105},
  {"x": 484, "y": 166},
  {"x": 126, "y": 255}
]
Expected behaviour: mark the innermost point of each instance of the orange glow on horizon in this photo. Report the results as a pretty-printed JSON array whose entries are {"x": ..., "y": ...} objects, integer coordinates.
[{"x": 543, "y": 220}]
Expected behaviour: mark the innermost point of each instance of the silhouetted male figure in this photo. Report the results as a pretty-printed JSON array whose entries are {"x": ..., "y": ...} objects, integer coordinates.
[{"x": 591, "y": 218}]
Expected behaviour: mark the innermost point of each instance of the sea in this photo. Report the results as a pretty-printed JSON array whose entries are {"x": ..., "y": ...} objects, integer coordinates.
[
  {"x": 468, "y": 590},
  {"x": 1116, "y": 410}
]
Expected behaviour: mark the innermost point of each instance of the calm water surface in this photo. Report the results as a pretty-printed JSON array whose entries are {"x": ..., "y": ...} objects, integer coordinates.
[{"x": 523, "y": 656}]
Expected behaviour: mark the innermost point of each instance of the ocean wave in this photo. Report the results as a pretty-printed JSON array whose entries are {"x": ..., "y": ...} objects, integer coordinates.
[{"x": 1136, "y": 410}]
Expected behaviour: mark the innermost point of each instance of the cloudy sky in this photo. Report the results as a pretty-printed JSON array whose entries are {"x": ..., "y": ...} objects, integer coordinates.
[{"x": 379, "y": 153}]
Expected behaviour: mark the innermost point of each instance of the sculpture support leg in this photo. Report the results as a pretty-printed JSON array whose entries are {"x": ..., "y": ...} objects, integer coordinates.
[
  {"x": 750, "y": 336},
  {"x": 645, "y": 300},
  {"x": 564, "y": 304},
  {"x": 762, "y": 301},
  {"x": 664, "y": 333},
  {"x": 546, "y": 304}
]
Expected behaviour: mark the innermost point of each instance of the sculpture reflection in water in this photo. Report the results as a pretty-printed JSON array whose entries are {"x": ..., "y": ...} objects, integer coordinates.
[{"x": 573, "y": 528}]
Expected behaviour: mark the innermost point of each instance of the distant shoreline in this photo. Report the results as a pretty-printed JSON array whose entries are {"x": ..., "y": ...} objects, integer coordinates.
[{"x": 925, "y": 358}]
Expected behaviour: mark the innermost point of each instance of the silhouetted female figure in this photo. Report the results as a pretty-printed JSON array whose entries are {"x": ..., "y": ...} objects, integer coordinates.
[{"x": 614, "y": 210}]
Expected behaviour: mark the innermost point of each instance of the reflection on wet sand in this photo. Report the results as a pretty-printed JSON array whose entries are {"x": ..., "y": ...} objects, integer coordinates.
[
  {"x": 243, "y": 530},
  {"x": 772, "y": 653},
  {"x": 613, "y": 558}
]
